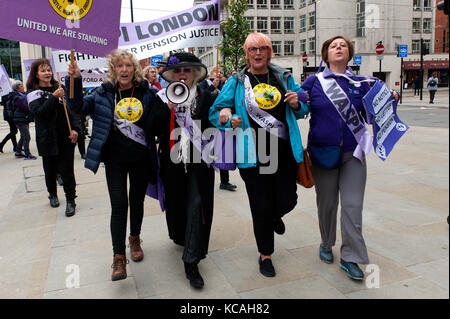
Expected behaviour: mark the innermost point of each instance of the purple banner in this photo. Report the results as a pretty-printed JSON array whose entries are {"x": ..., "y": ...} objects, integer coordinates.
[
  {"x": 86, "y": 26},
  {"x": 197, "y": 26},
  {"x": 381, "y": 108}
]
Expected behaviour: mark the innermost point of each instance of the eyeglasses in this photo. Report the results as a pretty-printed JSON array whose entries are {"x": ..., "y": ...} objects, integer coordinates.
[
  {"x": 184, "y": 70},
  {"x": 261, "y": 49}
]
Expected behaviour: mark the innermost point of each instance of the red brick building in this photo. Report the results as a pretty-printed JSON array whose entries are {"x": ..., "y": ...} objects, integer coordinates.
[{"x": 441, "y": 31}]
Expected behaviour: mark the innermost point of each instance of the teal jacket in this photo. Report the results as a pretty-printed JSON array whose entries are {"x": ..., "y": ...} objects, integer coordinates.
[{"x": 232, "y": 96}]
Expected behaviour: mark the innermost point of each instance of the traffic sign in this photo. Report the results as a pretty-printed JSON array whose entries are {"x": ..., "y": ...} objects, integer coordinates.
[
  {"x": 304, "y": 57},
  {"x": 402, "y": 50},
  {"x": 155, "y": 59},
  {"x": 357, "y": 60},
  {"x": 379, "y": 49}
]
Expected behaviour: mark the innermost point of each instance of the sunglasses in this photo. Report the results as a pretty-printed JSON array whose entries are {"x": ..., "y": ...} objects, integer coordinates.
[
  {"x": 184, "y": 70},
  {"x": 261, "y": 49}
]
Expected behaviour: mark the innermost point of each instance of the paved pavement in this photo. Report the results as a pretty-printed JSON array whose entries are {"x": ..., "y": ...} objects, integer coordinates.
[{"x": 43, "y": 254}]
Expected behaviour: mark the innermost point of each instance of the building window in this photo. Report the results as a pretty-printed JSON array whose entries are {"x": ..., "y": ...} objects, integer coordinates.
[
  {"x": 312, "y": 46},
  {"x": 303, "y": 23},
  {"x": 427, "y": 45},
  {"x": 416, "y": 5},
  {"x": 261, "y": 4},
  {"x": 289, "y": 4},
  {"x": 312, "y": 20},
  {"x": 275, "y": 25},
  {"x": 251, "y": 23},
  {"x": 415, "y": 47},
  {"x": 250, "y": 4},
  {"x": 302, "y": 46},
  {"x": 302, "y": 3},
  {"x": 416, "y": 25},
  {"x": 289, "y": 24},
  {"x": 10, "y": 58},
  {"x": 427, "y": 25},
  {"x": 275, "y": 4},
  {"x": 360, "y": 18},
  {"x": 288, "y": 48},
  {"x": 311, "y": 1},
  {"x": 426, "y": 5},
  {"x": 201, "y": 50},
  {"x": 261, "y": 24},
  {"x": 276, "y": 45}
]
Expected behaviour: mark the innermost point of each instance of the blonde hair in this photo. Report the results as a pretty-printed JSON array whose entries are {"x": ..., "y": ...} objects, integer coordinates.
[
  {"x": 257, "y": 39},
  {"x": 147, "y": 71},
  {"x": 119, "y": 55}
]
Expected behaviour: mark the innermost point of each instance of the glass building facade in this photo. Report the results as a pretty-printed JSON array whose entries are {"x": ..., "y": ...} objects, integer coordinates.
[{"x": 10, "y": 58}]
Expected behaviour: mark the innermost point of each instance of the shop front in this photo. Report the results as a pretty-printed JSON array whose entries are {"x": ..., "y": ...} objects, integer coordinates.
[{"x": 412, "y": 71}]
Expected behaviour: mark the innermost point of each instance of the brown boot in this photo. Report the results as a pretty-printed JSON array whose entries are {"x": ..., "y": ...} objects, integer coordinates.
[
  {"x": 135, "y": 248},
  {"x": 119, "y": 267}
]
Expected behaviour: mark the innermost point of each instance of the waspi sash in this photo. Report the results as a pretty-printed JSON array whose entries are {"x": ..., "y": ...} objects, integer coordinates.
[{"x": 341, "y": 102}]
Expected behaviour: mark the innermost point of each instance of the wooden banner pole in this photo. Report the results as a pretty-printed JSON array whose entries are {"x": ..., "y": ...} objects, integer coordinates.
[
  {"x": 65, "y": 107},
  {"x": 72, "y": 52}
]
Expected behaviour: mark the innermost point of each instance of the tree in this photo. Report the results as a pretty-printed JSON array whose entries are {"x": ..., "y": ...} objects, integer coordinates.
[{"x": 235, "y": 31}]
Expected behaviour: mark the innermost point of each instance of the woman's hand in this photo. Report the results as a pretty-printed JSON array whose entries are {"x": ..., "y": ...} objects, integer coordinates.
[
  {"x": 236, "y": 122},
  {"x": 292, "y": 99},
  {"x": 224, "y": 115},
  {"x": 59, "y": 93},
  {"x": 395, "y": 94},
  {"x": 171, "y": 105},
  {"x": 73, "y": 136},
  {"x": 74, "y": 70}
]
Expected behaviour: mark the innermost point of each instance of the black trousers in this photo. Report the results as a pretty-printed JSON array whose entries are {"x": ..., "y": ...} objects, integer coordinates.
[
  {"x": 11, "y": 135},
  {"x": 432, "y": 94},
  {"x": 62, "y": 164},
  {"x": 24, "y": 141},
  {"x": 271, "y": 196},
  {"x": 224, "y": 176},
  {"x": 116, "y": 178}
]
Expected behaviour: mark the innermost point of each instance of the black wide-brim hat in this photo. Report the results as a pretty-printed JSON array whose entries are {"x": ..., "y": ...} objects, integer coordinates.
[{"x": 180, "y": 60}]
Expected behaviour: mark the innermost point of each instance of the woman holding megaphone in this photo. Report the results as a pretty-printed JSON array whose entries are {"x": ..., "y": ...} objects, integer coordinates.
[{"x": 189, "y": 185}]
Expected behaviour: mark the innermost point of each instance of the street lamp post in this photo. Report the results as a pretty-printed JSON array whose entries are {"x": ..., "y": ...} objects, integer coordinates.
[{"x": 131, "y": 6}]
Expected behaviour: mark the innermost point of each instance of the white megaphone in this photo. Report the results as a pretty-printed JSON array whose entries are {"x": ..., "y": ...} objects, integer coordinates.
[{"x": 177, "y": 92}]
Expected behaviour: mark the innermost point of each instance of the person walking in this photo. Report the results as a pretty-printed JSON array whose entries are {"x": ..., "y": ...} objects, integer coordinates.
[
  {"x": 188, "y": 185},
  {"x": 329, "y": 130},
  {"x": 260, "y": 94},
  {"x": 8, "y": 117},
  {"x": 55, "y": 143},
  {"x": 417, "y": 85},
  {"x": 213, "y": 85},
  {"x": 22, "y": 117},
  {"x": 119, "y": 110},
  {"x": 432, "y": 85}
]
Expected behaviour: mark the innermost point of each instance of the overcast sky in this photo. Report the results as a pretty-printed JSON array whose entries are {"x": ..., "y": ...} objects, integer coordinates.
[{"x": 144, "y": 10}]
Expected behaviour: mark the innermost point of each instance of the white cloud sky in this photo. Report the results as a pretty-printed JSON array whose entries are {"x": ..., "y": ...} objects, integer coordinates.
[{"x": 144, "y": 10}]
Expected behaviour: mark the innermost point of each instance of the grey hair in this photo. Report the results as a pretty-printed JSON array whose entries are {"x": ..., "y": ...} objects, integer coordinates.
[{"x": 16, "y": 84}]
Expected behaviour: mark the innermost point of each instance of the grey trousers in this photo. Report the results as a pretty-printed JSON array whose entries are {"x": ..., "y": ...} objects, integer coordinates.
[{"x": 349, "y": 183}]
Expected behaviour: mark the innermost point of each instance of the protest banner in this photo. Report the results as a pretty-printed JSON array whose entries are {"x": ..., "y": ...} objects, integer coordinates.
[
  {"x": 84, "y": 61},
  {"x": 198, "y": 26},
  {"x": 381, "y": 108},
  {"x": 87, "y": 26},
  {"x": 5, "y": 85}
]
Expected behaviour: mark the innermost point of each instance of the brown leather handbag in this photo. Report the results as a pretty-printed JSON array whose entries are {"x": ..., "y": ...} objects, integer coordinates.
[{"x": 304, "y": 175}]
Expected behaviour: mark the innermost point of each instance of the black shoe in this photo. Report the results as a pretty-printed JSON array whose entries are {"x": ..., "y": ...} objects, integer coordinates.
[
  {"x": 228, "y": 186},
  {"x": 266, "y": 268},
  {"x": 278, "y": 226},
  {"x": 70, "y": 207},
  {"x": 192, "y": 273},
  {"x": 59, "y": 179},
  {"x": 19, "y": 155},
  {"x": 54, "y": 202}
]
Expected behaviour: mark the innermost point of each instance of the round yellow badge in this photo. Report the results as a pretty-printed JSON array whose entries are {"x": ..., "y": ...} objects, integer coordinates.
[
  {"x": 266, "y": 96},
  {"x": 130, "y": 109},
  {"x": 71, "y": 9}
]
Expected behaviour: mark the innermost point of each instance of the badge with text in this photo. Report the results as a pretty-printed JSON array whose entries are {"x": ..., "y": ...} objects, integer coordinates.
[
  {"x": 382, "y": 112},
  {"x": 129, "y": 109},
  {"x": 266, "y": 96}
]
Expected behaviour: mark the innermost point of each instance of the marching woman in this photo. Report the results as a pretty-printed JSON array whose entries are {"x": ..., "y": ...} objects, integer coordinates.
[
  {"x": 188, "y": 184},
  {"x": 330, "y": 130},
  {"x": 119, "y": 110},
  {"x": 259, "y": 94},
  {"x": 55, "y": 143}
]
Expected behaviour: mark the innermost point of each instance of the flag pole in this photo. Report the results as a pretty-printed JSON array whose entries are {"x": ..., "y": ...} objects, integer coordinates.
[{"x": 64, "y": 103}]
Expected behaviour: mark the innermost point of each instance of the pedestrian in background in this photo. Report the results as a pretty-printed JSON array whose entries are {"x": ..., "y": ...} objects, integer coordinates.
[
  {"x": 417, "y": 85},
  {"x": 8, "y": 112},
  {"x": 347, "y": 178},
  {"x": 151, "y": 74},
  {"x": 432, "y": 84},
  {"x": 55, "y": 143},
  {"x": 22, "y": 117}
]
